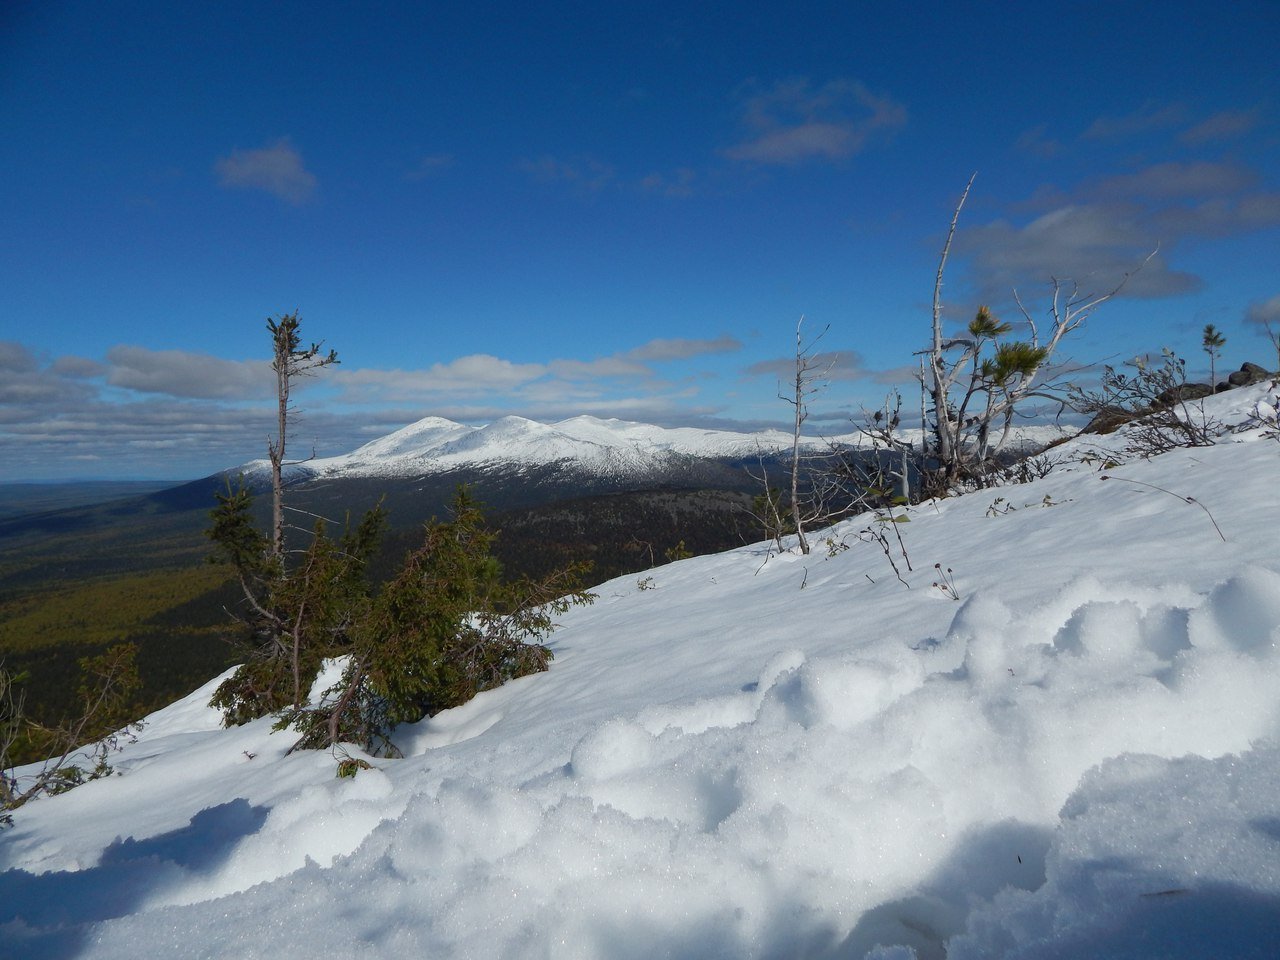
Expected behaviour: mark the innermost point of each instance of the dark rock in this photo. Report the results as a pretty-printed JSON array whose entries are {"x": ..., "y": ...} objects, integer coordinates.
[
  {"x": 1183, "y": 393},
  {"x": 1247, "y": 374},
  {"x": 1110, "y": 419}
]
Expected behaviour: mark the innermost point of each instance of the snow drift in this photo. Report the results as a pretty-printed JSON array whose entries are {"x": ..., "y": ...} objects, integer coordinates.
[{"x": 1058, "y": 738}]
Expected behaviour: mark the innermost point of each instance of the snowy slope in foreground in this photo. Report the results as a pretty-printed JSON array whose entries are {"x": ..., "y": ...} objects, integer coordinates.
[{"x": 767, "y": 756}]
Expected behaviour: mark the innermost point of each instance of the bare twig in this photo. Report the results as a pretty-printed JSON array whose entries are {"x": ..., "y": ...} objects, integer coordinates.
[{"x": 1176, "y": 496}]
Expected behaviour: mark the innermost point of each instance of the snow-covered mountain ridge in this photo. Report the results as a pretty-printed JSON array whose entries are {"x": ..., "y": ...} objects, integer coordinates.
[
  {"x": 613, "y": 448},
  {"x": 603, "y": 447},
  {"x": 1056, "y": 735}
]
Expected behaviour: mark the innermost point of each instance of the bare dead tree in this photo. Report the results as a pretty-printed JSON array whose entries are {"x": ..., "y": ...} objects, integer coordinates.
[
  {"x": 290, "y": 360},
  {"x": 810, "y": 379},
  {"x": 942, "y": 378},
  {"x": 977, "y": 380}
]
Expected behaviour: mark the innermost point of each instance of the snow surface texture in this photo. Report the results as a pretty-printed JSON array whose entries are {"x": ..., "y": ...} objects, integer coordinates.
[
  {"x": 764, "y": 755},
  {"x": 604, "y": 447}
]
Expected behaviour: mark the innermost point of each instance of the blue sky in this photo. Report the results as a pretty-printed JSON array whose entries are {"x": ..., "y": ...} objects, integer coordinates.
[{"x": 621, "y": 210}]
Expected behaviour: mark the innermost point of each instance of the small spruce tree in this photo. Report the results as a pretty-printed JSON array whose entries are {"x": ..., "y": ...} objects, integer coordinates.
[{"x": 1212, "y": 343}]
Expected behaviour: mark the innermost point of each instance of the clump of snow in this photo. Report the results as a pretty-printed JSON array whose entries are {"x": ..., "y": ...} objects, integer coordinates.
[{"x": 766, "y": 756}]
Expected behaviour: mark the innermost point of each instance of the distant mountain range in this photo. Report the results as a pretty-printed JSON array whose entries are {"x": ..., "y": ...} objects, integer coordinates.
[{"x": 606, "y": 449}]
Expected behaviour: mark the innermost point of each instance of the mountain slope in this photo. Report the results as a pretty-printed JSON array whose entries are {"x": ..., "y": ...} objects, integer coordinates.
[{"x": 1057, "y": 737}]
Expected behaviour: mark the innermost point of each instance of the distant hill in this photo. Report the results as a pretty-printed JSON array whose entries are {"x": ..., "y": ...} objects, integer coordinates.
[{"x": 24, "y": 497}]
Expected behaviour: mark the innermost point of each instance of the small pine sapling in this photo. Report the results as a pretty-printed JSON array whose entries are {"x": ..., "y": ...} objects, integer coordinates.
[{"x": 1212, "y": 342}]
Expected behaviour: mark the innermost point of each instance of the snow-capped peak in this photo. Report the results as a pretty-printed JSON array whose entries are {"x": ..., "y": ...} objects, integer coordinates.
[{"x": 436, "y": 445}]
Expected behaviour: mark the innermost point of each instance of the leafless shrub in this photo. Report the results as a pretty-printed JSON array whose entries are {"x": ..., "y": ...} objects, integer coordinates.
[{"x": 1160, "y": 410}]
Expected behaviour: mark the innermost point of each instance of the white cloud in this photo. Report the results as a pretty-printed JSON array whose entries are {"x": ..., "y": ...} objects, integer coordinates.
[
  {"x": 277, "y": 169},
  {"x": 179, "y": 373},
  {"x": 477, "y": 374},
  {"x": 23, "y": 382},
  {"x": 80, "y": 368},
  {"x": 792, "y": 123},
  {"x": 15, "y": 358}
]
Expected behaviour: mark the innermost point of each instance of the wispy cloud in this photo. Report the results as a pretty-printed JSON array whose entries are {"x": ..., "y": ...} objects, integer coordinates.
[
  {"x": 430, "y": 166},
  {"x": 604, "y": 367},
  {"x": 1093, "y": 245},
  {"x": 586, "y": 173},
  {"x": 833, "y": 365},
  {"x": 1035, "y": 142},
  {"x": 1264, "y": 311},
  {"x": 792, "y": 123},
  {"x": 1146, "y": 119},
  {"x": 1104, "y": 228},
  {"x": 276, "y": 169},
  {"x": 1177, "y": 180},
  {"x": 682, "y": 349},
  {"x": 1224, "y": 125},
  {"x": 679, "y": 183}
]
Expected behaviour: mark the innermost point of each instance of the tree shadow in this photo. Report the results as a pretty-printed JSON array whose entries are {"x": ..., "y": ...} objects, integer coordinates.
[{"x": 46, "y": 916}]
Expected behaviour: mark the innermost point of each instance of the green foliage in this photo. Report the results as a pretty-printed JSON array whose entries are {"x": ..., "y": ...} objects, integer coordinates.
[
  {"x": 236, "y": 539},
  {"x": 678, "y": 552},
  {"x": 291, "y": 620},
  {"x": 445, "y": 627},
  {"x": 348, "y": 767},
  {"x": 1013, "y": 361},
  {"x": 984, "y": 326},
  {"x": 289, "y": 353},
  {"x": 1212, "y": 341},
  {"x": 449, "y": 626}
]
